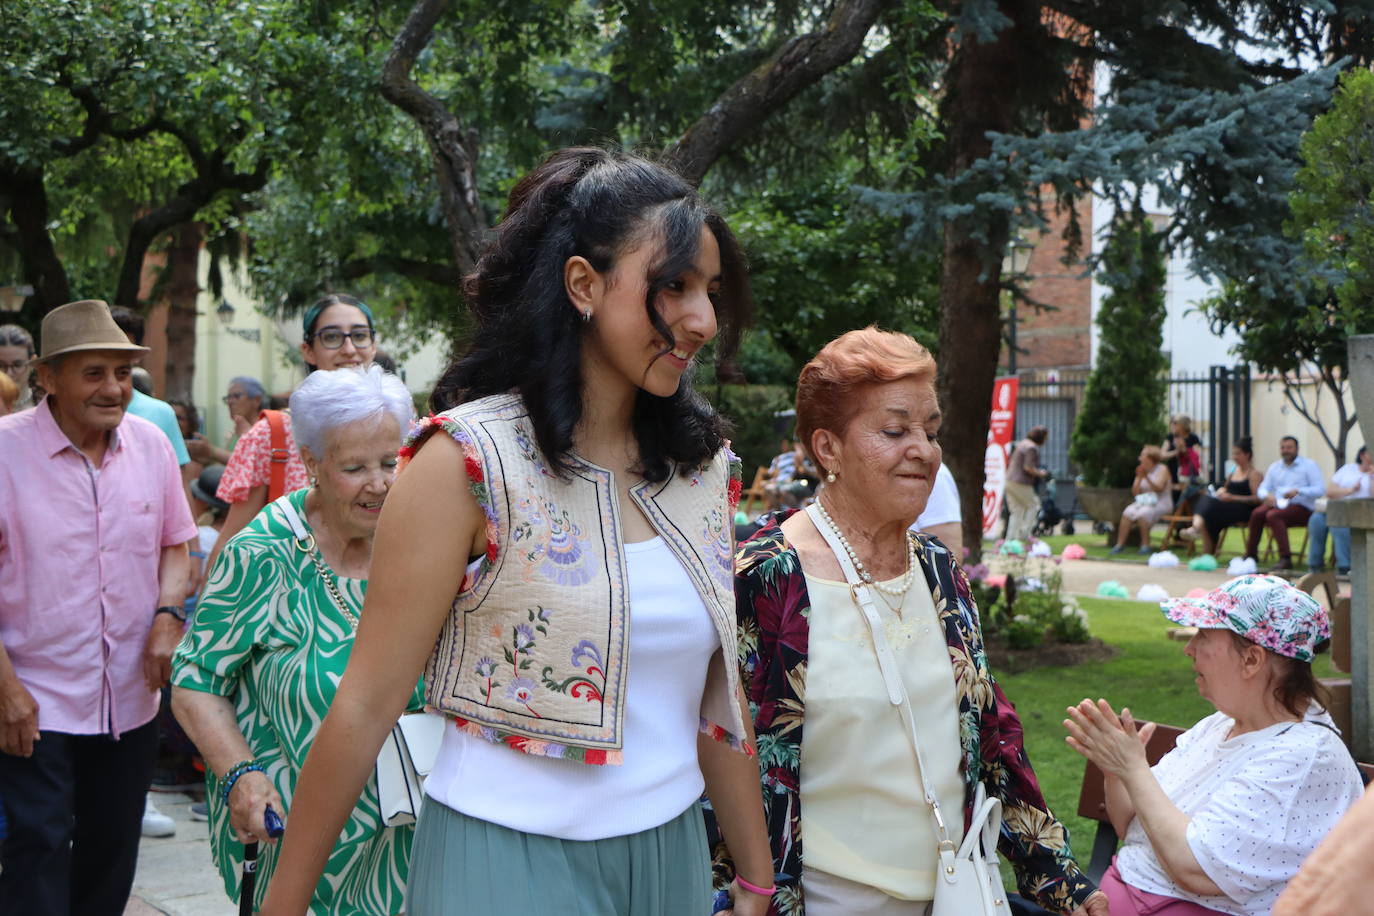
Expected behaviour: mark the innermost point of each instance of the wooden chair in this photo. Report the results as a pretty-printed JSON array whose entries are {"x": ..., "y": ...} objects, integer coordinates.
[
  {"x": 1181, "y": 518},
  {"x": 754, "y": 492},
  {"x": 1271, "y": 552},
  {"x": 1217, "y": 547}
]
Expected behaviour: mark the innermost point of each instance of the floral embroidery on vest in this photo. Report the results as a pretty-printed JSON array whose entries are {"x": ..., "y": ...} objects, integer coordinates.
[
  {"x": 534, "y": 652},
  {"x": 560, "y": 554},
  {"x": 421, "y": 430},
  {"x": 580, "y": 685}
]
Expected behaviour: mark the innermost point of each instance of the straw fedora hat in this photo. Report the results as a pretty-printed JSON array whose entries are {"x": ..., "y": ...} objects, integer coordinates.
[{"x": 84, "y": 325}]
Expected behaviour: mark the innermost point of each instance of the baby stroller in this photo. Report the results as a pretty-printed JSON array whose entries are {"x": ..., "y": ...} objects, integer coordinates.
[{"x": 1050, "y": 514}]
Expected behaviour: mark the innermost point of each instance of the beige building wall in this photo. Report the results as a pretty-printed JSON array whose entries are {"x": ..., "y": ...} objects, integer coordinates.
[
  {"x": 1273, "y": 417},
  {"x": 254, "y": 344}
]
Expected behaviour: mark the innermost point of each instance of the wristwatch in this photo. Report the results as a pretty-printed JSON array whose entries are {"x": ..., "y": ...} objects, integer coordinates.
[{"x": 175, "y": 610}]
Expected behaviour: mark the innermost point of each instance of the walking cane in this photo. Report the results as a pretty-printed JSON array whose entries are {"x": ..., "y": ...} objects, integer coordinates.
[{"x": 250, "y": 862}]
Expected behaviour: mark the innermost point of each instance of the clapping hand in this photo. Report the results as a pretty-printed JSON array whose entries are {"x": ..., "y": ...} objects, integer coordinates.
[{"x": 1112, "y": 742}]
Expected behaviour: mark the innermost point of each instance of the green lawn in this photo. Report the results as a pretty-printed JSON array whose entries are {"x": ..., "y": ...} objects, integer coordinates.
[{"x": 1151, "y": 675}]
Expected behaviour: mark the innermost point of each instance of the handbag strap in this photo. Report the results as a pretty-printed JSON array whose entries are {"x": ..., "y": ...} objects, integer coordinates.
[
  {"x": 278, "y": 454},
  {"x": 887, "y": 665},
  {"x": 305, "y": 543}
]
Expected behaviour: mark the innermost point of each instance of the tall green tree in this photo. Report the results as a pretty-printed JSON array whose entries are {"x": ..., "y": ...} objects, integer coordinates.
[
  {"x": 1123, "y": 404},
  {"x": 1297, "y": 327},
  {"x": 135, "y": 125},
  {"x": 1204, "y": 106},
  {"x": 554, "y": 75},
  {"x": 286, "y": 134}
]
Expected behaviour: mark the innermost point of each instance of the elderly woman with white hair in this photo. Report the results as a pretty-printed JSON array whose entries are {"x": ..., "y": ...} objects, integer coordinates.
[{"x": 259, "y": 666}]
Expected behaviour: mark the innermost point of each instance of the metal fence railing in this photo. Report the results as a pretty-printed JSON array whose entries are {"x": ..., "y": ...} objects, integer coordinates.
[{"x": 1217, "y": 402}]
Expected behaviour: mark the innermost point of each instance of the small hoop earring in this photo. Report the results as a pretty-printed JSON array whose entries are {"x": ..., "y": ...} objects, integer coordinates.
[
  {"x": 587, "y": 316},
  {"x": 830, "y": 478}
]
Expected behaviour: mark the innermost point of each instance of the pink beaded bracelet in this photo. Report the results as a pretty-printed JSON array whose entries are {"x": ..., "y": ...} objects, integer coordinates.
[{"x": 755, "y": 889}]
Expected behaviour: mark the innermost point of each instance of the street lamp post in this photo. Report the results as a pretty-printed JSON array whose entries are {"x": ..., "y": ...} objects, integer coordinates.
[{"x": 1015, "y": 263}]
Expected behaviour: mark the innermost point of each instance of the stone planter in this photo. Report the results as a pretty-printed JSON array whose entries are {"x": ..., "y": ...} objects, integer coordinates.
[
  {"x": 1360, "y": 355},
  {"x": 1105, "y": 504}
]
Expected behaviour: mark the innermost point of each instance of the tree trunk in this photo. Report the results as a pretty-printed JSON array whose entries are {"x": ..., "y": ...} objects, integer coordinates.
[
  {"x": 213, "y": 175},
  {"x": 452, "y": 148},
  {"x": 26, "y": 200},
  {"x": 793, "y": 67},
  {"x": 796, "y": 65},
  {"x": 182, "y": 288},
  {"x": 979, "y": 101}
]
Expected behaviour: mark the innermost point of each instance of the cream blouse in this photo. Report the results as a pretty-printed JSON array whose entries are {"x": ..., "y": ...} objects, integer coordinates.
[{"x": 864, "y": 815}]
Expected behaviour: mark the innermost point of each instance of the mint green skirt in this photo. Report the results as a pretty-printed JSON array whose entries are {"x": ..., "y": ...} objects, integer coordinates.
[{"x": 461, "y": 866}]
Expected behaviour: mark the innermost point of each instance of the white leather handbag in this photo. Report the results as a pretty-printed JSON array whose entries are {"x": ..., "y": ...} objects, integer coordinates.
[
  {"x": 969, "y": 880},
  {"x": 406, "y": 758}
]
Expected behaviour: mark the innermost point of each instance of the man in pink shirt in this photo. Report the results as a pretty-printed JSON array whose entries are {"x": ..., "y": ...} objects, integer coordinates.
[{"x": 93, "y": 570}]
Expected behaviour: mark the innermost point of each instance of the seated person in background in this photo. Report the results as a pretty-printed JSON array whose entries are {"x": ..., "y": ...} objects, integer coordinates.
[
  {"x": 1182, "y": 449},
  {"x": 1288, "y": 494},
  {"x": 1222, "y": 822},
  {"x": 779, "y": 474},
  {"x": 941, "y": 517},
  {"x": 1230, "y": 505},
  {"x": 1154, "y": 499},
  {"x": 1351, "y": 481}
]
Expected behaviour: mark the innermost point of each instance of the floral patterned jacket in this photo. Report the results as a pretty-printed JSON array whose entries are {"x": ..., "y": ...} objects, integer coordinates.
[{"x": 773, "y": 609}]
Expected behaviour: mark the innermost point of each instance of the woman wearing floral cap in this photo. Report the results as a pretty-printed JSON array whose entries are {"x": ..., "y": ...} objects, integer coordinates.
[{"x": 1222, "y": 822}]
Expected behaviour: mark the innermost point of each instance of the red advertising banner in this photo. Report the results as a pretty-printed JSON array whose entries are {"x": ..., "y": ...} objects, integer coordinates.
[{"x": 1001, "y": 430}]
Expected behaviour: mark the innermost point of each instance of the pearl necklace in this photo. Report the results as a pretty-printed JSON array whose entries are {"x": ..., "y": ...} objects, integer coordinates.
[{"x": 864, "y": 574}]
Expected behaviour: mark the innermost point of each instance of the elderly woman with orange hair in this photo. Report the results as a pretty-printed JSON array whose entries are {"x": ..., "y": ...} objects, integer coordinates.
[{"x": 848, "y": 624}]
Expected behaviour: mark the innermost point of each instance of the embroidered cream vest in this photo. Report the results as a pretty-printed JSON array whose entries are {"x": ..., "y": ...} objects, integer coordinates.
[{"x": 534, "y": 652}]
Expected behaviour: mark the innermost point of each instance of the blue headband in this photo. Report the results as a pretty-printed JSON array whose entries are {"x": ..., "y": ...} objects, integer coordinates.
[{"x": 312, "y": 314}]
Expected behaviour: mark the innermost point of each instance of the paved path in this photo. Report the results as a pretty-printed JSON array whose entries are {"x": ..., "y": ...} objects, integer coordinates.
[{"x": 175, "y": 875}]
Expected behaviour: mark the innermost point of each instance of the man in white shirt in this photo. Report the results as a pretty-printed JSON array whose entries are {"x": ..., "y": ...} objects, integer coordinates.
[
  {"x": 941, "y": 517},
  {"x": 1351, "y": 481},
  {"x": 1288, "y": 494},
  {"x": 780, "y": 472}
]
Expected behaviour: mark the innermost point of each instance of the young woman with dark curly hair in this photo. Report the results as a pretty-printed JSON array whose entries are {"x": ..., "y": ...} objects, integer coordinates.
[{"x": 572, "y": 481}]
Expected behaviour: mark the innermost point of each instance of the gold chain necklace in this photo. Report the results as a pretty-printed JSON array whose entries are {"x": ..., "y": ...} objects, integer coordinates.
[{"x": 308, "y": 546}]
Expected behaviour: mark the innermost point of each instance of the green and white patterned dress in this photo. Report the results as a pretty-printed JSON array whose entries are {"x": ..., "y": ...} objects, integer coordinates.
[{"x": 267, "y": 636}]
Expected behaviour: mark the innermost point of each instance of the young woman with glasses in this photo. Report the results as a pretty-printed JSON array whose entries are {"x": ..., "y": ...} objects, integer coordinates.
[{"x": 338, "y": 333}]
